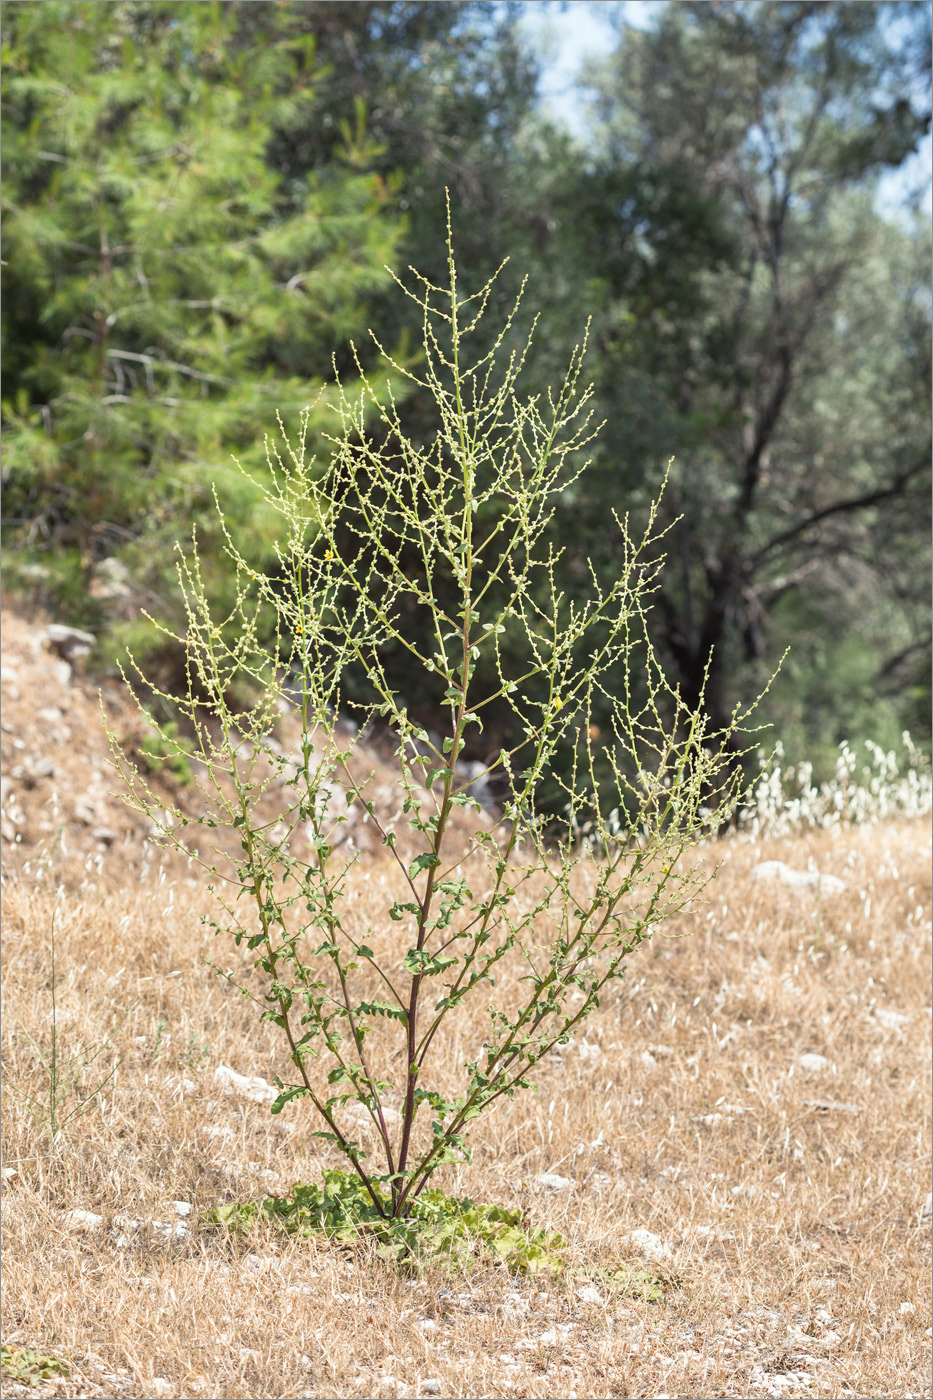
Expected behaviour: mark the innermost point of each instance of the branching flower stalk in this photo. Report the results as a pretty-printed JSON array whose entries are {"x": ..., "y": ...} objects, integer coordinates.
[{"x": 561, "y": 911}]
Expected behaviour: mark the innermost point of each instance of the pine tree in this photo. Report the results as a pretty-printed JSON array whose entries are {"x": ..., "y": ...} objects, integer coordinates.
[{"x": 167, "y": 289}]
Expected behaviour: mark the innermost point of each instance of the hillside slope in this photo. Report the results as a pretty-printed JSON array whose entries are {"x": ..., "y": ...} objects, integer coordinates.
[{"x": 62, "y": 802}]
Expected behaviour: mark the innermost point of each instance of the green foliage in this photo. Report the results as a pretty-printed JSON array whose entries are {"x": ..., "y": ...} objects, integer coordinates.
[
  {"x": 196, "y": 1052},
  {"x": 214, "y": 190},
  {"x": 164, "y": 285},
  {"x": 22, "y": 1364},
  {"x": 764, "y": 323},
  {"x": 158, "y": 1047},
  {"x": 559, "y": 912},
  {"x": 439, "y": 1229},
  {"x": 635, "y": 1283},
  {"x": 161, "y": 750},
  {"x": 454, "y": 1232}
]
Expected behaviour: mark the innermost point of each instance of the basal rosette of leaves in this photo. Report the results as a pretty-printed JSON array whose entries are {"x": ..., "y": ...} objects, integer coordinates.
[
  {"x": 440, "y": 1227},
  {"x": 28, "y": 1366},
  {"x": 441, "y": 1230}
]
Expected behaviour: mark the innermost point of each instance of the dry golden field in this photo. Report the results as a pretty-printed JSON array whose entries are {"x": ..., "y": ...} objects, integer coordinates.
[
  {"x": 747, "y": 1118},
  {"x": 784, "y": 1201}
]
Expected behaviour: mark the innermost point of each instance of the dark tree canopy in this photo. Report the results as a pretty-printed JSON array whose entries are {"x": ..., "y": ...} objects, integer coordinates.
[{"x": 769, "y": 330}]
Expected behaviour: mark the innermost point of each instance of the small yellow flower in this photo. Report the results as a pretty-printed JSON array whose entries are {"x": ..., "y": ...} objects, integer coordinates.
[
  {"x": 558, "y": 703},
  {"x": 329, "y": 554}
]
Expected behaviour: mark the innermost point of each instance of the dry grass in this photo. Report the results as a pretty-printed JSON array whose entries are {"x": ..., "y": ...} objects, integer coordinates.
[{"x": 799, "y": 1260}]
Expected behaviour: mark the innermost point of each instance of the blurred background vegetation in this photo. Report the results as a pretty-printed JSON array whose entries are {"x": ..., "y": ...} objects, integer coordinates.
[{"x": 199, "y": 201}]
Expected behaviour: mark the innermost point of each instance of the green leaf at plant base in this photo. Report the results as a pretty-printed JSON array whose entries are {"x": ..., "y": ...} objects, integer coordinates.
[
  {"x": 439, "y": 1228},
  {"x": 636, "y": 1283},
  {"x": 21, "y": 1364}
]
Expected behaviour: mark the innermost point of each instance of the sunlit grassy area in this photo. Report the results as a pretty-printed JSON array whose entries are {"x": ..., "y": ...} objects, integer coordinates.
[{"x": 755, "y": 1098}]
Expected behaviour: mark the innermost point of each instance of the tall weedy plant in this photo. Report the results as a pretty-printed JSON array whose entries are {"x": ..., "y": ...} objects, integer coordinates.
[{"x": 554, "y": 915}]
